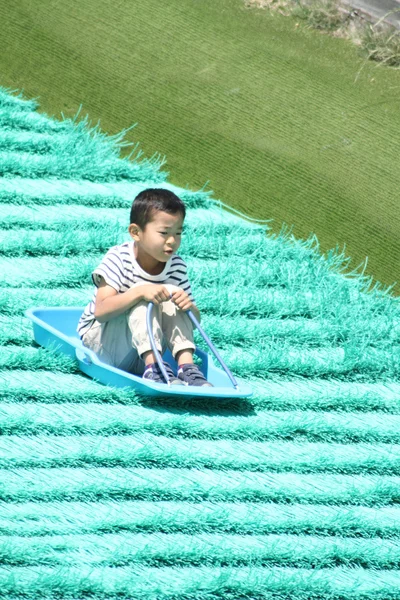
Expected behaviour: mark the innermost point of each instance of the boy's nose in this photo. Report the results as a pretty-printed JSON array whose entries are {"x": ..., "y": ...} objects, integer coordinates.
[{"x": 171, "y": 241}]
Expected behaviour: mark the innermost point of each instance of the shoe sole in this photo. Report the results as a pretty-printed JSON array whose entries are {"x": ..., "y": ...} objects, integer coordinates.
[
  {"x": 197, "y": 385},
  {"x": 162, "y": 381}
]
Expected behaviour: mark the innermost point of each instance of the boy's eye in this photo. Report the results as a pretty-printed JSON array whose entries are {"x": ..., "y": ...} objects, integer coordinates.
[{"x": 166, "y": 232}]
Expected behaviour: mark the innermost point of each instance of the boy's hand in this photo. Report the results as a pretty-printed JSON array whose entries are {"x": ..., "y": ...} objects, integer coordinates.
[
  {"x": 181, "y": 299},
  {"x": 155, "y": 293}
]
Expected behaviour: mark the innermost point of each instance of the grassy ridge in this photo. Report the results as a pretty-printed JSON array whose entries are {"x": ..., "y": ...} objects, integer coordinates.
[{"x": 281, "y": 120}]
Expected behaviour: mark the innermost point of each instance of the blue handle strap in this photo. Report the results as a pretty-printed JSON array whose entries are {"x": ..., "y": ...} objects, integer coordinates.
[{"x": 202, "y": 333}]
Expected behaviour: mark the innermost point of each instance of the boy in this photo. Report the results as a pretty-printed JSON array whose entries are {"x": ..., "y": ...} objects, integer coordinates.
[{"x": 130, "y": 276}]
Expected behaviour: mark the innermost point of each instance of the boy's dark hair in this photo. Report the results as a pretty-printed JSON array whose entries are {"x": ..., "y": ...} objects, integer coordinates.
[{"x": 154, "y": 199}]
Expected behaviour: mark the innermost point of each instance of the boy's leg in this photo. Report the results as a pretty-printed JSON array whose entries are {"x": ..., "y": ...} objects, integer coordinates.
[
  {"x": 178, "y": 332},
  {"x": 112, "y": 343},
  {"x": 141, "y": 340},
  {"x": 122, "y": 341},
  {"x": 177, "y": 328},
  {"x": 138, "y": 329}
]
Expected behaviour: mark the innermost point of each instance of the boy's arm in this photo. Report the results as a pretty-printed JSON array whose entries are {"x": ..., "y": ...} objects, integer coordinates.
[{"x": 109, "y": 303}]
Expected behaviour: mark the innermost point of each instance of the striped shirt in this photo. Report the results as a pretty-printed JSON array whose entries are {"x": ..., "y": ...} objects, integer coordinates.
[{"x": 120, "y": 270}]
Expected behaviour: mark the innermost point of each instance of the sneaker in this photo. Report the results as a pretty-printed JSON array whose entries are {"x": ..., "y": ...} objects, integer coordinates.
[
  {"x": 191, "y": 375},
  {"x": 153, "y": 372}
]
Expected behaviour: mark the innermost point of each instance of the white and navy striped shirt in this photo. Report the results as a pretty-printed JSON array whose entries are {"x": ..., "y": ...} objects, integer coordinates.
[{"x": 120, "y": 269}]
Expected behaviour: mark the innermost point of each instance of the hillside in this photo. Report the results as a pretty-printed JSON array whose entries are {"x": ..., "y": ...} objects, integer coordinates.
[{"x": 291, "y": 494}]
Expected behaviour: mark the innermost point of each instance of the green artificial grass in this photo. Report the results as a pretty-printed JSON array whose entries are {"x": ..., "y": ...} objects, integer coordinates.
[
  {"x": 284, "y": 122},
  {"x": 291, "y": 494}
]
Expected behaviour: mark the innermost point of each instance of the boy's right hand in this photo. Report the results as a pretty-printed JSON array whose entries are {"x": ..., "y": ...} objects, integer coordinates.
[{"x": 155, "y": 293}]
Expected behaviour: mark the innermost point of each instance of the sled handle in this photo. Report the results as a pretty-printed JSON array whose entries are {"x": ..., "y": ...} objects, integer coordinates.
[
  {"x": 203, "y": 335},
  {"x": 212, "y": 348}
]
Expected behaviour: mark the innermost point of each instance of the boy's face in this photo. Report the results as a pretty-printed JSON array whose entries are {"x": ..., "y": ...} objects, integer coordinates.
[{"x": 161, "y": 237}]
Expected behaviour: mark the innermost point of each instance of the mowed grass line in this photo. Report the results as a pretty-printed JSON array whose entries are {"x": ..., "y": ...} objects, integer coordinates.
[{"x": 284, "y": 122}]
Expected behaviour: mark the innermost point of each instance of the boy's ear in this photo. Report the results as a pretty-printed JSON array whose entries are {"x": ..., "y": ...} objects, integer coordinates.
[{"x": 134, "y": 231}]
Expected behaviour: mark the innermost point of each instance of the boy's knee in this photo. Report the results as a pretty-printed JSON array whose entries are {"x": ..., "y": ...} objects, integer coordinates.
[
  {"x": 139, "y": 311},
  {"x": 170, "y": 309},
  {"x": 172, "y": 288}
]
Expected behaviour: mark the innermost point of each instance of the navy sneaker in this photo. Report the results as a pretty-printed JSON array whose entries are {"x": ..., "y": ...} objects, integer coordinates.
[
  {"x": 153, "y": 372},
  {"x": 191, "y": 375}
]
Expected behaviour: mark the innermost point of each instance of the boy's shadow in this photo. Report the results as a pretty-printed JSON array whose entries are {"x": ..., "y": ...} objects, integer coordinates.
[{"x": 200, "y": 406}]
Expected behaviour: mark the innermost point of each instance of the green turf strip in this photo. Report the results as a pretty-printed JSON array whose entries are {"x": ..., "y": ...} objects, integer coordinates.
[
  {"x": 108, "y": 516},
  {"x": 148, "y": 582},
  {"x": 43, "y": 484},
  {"x": 279, "y": 392},
  {"x": 75, "y": 419},
  {"x": 147, "y": 450},
  {"x": 50, "y": 191},
  {"x": 157, "y": 549}
]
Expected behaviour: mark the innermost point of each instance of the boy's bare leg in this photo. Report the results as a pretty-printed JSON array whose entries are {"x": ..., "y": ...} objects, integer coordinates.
[
  {"x": 149, "y": 357},
  {"x": 184, "y": 357}
]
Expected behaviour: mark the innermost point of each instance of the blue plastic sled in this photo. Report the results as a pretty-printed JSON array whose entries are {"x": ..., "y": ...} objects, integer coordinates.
[{"x": 56, "y": 327}]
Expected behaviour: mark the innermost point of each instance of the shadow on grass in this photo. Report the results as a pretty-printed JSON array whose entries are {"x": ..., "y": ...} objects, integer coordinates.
[{"x": 200, "y": 406}]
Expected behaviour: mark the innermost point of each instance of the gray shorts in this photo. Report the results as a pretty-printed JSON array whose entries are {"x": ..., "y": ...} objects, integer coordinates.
[{"x": 121, "y": 341}]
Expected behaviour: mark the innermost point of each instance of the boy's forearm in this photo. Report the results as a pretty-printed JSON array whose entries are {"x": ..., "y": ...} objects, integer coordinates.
[{"x": 113, "y": 306}]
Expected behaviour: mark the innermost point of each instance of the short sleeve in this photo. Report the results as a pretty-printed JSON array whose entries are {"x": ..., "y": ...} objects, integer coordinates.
[
  {"x": 184, "y": 281},
  {"x": 186, "y": 286},
  {"x": 111, "y": 269}
]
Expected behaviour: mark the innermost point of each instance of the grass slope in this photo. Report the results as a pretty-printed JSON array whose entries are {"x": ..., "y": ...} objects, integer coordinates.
[
  {"x": 286, "y": 123},
  {"x": 293, "y": 494}
]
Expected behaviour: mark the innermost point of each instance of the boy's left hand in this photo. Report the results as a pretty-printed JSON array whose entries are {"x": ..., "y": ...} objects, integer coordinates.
[{"x": 182, "y": 300}]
